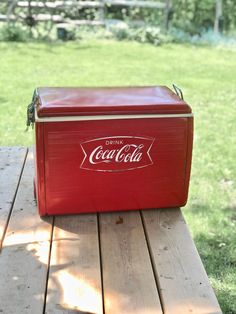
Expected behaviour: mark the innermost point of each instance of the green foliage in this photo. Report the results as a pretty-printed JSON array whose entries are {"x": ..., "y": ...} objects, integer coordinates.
[
  {"x": 229, "y": 14},
  {"x": 149, "y": 34},
  {"x": 122, "y": 31},
  {"x": 154, "y": 35},
  {"x": 190, "y": 16},
  {"x": 146, "y": 16},
  {"x": 208, "y": 38},
  {"x": 13, "y": 32},
  {"x": 197, "y": 16},
  {"x": 145, "y": 34}
]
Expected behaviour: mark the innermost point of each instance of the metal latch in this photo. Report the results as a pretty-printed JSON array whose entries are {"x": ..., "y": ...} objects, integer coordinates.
[
  {"x": 178, "y": 91},
  {"x": 30, "y": 113}
]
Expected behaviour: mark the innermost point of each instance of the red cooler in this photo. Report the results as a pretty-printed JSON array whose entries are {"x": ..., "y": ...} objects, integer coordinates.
[{"x": 107, "y": 149}]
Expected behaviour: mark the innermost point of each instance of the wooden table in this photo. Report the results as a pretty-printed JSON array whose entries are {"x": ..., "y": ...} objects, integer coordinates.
[{"x": 141, "y": 262}]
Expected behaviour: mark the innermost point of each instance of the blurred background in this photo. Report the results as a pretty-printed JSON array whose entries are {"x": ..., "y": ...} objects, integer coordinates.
[
  {"x": 155, "y": 21},
  {"x": 191, "y": 43}
]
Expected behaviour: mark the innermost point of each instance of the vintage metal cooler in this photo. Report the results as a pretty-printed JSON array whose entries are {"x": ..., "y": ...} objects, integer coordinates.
[{"x": 107, "y": 149}]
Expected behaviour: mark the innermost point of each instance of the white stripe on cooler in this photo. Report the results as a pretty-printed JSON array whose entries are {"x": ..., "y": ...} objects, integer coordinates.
[{"x": 110, "y": 117}]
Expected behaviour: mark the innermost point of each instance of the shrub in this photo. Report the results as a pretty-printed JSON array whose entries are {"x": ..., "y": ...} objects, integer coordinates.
[
  {"x": 147, "y": 35},
  {"x": 142, "y": 34},
  {"x": 179, "y": 36},
  {"x": 210, "y": 38},
  {"x": 13, "y": 32},
  {"x": 205, "y": 38},
  {"x": 118, "y": 29}
]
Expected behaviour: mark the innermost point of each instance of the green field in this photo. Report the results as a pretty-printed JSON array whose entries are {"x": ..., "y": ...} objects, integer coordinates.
[{"x": 208, "y": 79}]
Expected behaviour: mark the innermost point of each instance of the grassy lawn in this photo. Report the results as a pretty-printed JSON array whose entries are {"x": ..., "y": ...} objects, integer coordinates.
[{"x": 208, "y": 79}]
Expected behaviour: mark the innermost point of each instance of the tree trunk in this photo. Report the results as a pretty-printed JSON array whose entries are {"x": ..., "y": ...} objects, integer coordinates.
[{"x": 218, "y": 16}]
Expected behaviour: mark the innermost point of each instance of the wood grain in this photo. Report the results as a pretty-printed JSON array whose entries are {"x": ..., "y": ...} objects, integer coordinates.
[
  {"x": 11, "y": 163},
  {"x": 183, "y": 282},
  {"x": 25, "y": 252},
  {"x": 74, "y": 280},
  {"x": 129, "y": 284}
]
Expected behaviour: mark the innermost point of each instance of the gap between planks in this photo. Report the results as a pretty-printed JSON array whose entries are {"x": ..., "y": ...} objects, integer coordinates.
[
  {"x": 152, "y": 262},
  {"x": 48, "y": 268},
  {"x": 101, "y": 263},
  {"x": 25, "y": 252},
  {"x": 183, "y": 283},
  {"x": 128, "y": 280},
  {"x": 12, "y": 164},
  {"x": 95, "y": 260},
  {"x": 74, "y": 280}
]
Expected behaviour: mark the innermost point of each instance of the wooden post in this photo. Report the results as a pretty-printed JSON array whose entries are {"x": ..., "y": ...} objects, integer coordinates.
[
  {"x": 10, "y": 9},
  {"x": 218, "y": 15},
  {"x": 101, "y": 11}
]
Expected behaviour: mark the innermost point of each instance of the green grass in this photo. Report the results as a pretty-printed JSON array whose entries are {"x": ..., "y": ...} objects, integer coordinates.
[{"x": 208, "y": 79}]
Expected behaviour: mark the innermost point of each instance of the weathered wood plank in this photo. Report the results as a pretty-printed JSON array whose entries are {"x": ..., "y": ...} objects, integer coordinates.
[
  {"x": 136, "y": 4},
  {"x": 86, "y": 22},
  {"x": 39, "y": 18},
  {"x": 128, "y": 280},
  {"x": 11, "y": 163},
  {"x": 74, "y": 284},
  {"x": 56, "y": 19},
  {"x": 25, "y": 253},
  {"x": 91, "y": 4},
  {"x": 183, "y": 282},
  {"x": 60, "y": 4}
]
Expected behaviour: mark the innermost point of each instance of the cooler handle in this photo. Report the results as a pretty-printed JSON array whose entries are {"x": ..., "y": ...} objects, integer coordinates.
[{"x": 178, "y": 91}]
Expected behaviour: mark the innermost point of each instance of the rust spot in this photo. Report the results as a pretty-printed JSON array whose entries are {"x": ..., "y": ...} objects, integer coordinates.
[{"x": 119, "y": 221}]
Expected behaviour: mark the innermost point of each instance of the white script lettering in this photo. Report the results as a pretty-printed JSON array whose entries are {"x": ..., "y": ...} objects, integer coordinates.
[{"x": 127, "y": 153}]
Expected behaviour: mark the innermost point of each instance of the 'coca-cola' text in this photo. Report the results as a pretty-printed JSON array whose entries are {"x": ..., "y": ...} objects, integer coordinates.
[
  {"x": 127, "y": 153},
  {"x": 117, "y": 153}
]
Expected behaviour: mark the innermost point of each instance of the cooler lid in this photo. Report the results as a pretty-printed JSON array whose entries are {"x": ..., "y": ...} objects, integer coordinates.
[{"x": 73, "y": 101}]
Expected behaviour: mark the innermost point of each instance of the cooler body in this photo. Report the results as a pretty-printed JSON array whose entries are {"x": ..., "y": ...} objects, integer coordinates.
[{"x": 118, "y": 162}]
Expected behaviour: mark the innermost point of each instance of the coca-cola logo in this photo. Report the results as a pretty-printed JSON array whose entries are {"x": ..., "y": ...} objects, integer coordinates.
[{"x": 117, "y": 153}]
